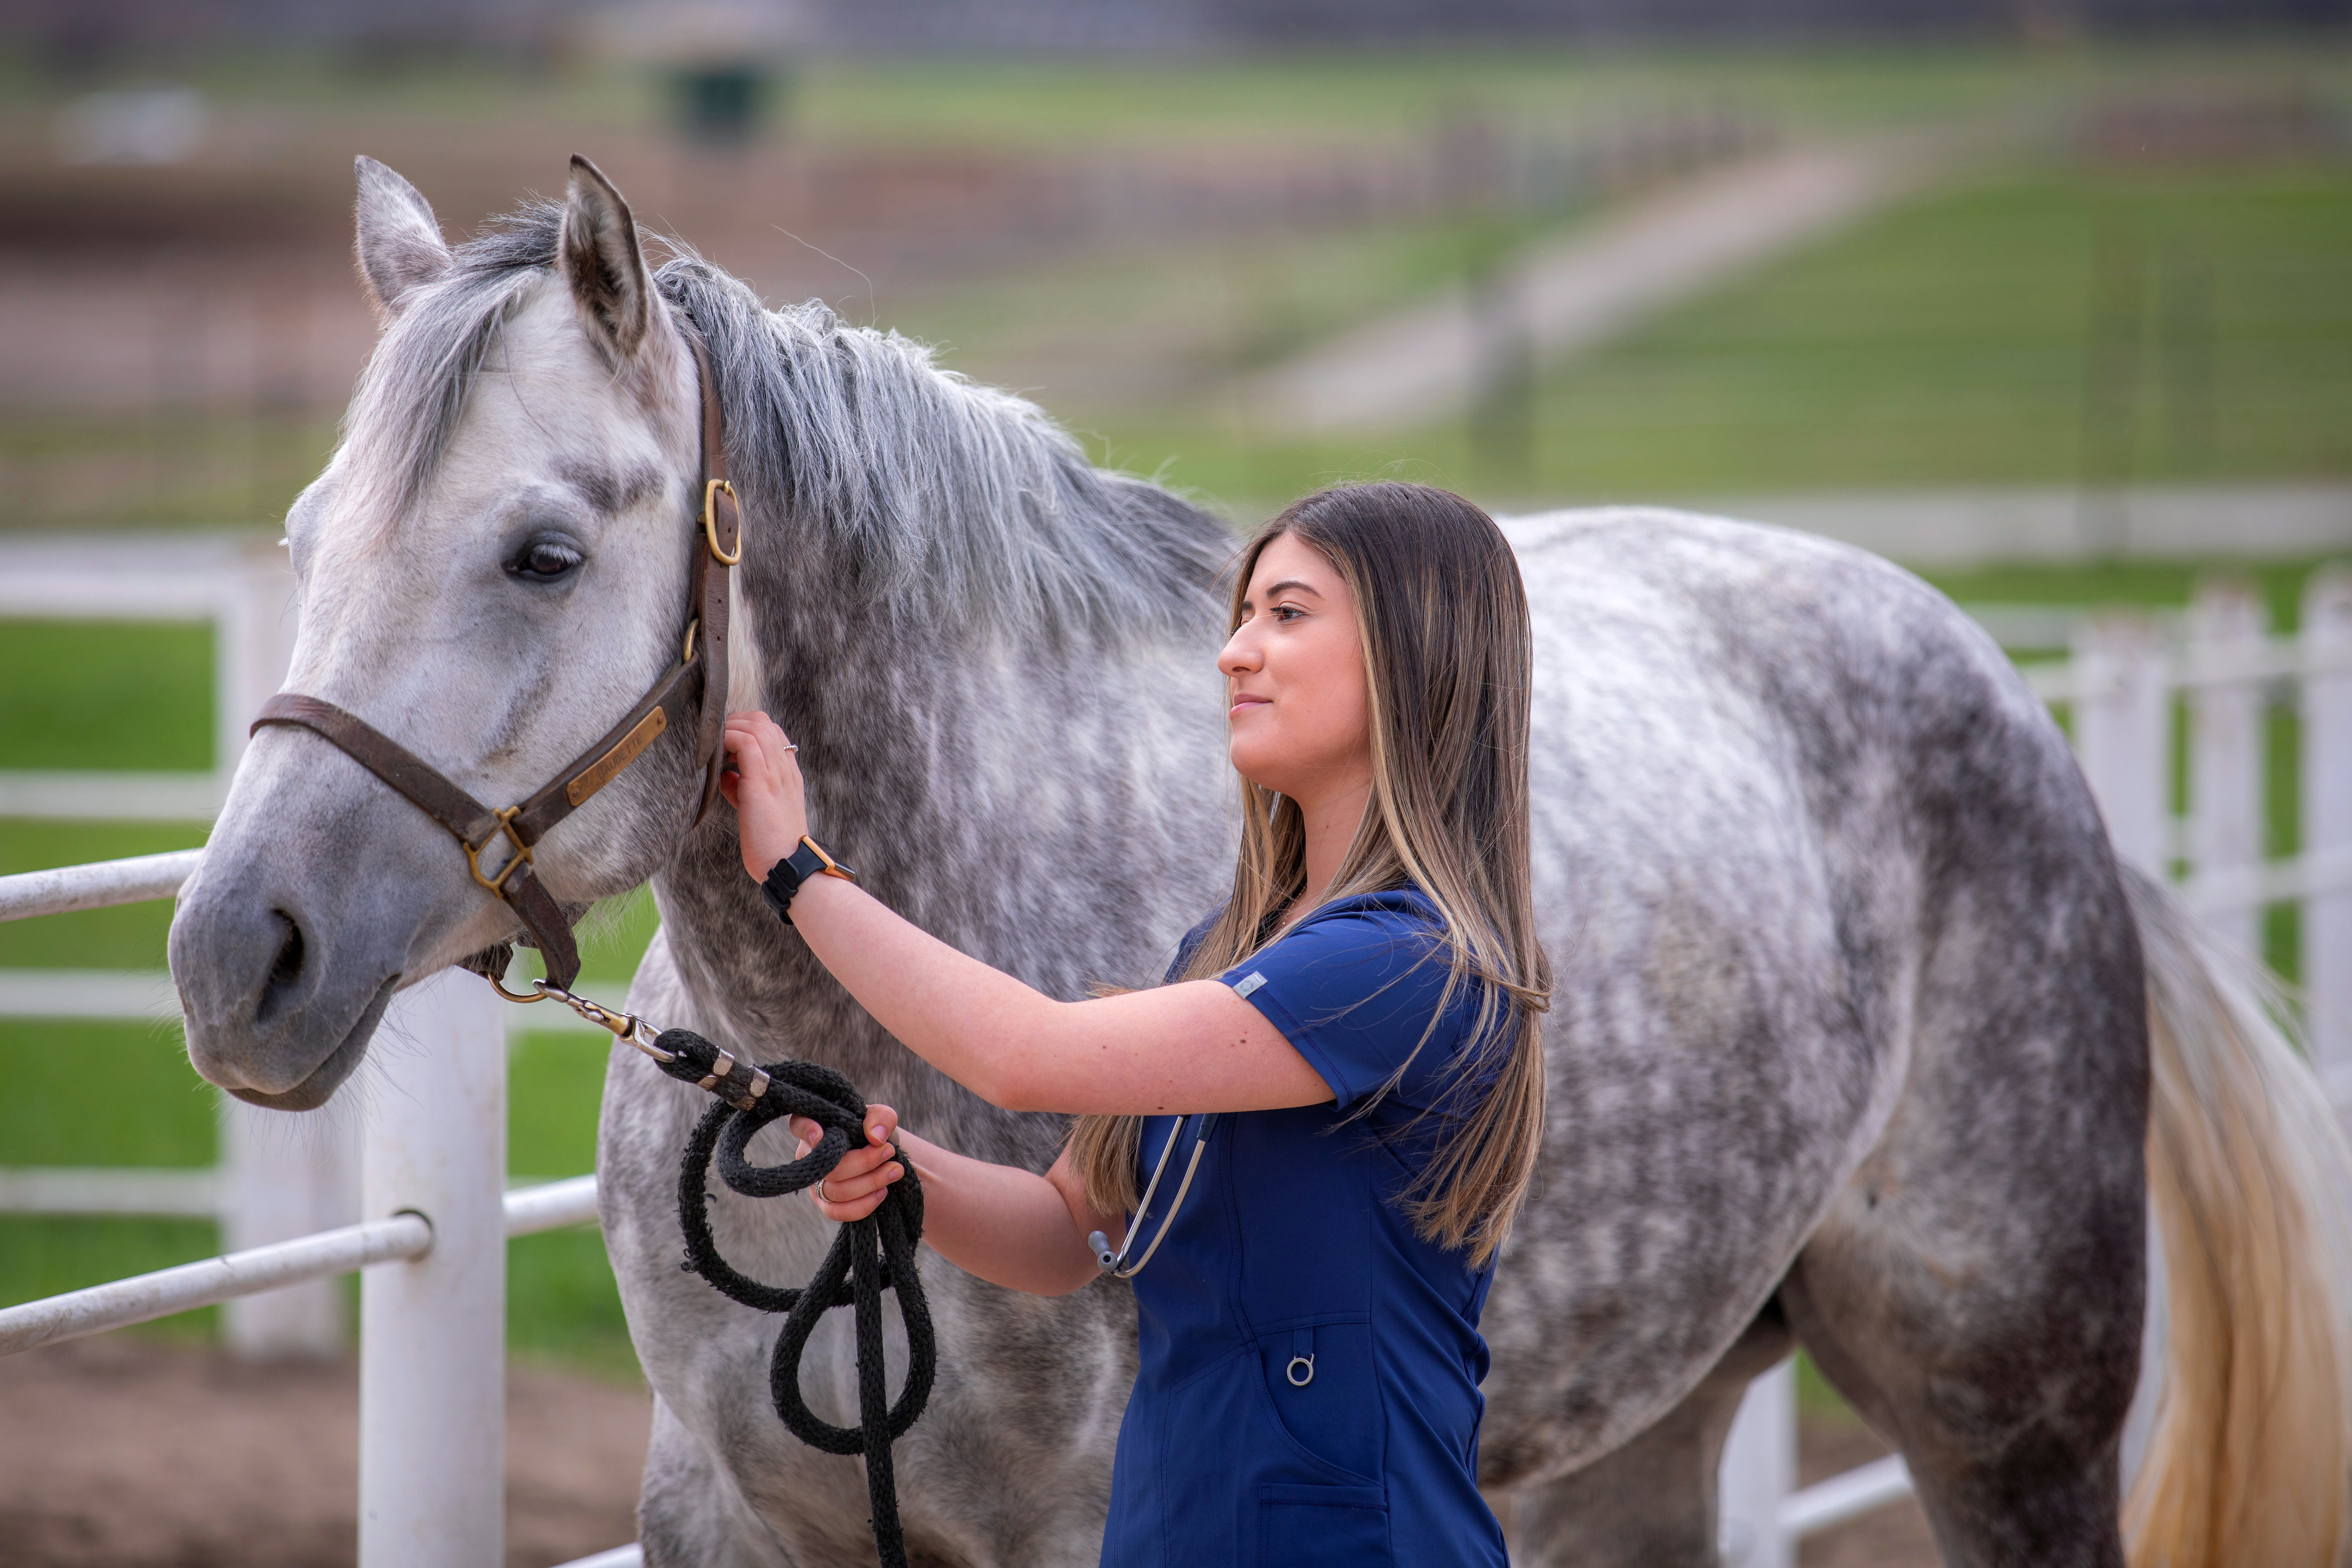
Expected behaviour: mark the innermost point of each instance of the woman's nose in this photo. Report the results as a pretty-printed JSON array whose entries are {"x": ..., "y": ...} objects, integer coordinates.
[{"x": 1239, "y": 656}]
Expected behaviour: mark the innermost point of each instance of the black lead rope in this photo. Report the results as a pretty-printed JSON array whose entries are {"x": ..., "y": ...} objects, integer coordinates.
[{"x": 868, "y": 1256}]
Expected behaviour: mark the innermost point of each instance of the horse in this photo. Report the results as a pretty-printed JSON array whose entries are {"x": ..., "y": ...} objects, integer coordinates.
[{"x": 1862, "y": 1040}]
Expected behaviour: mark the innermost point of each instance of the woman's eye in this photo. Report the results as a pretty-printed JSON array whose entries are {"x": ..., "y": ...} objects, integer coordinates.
[
  {"x": 1287, "y": 613},
  {"x": 545, "y": 560}
]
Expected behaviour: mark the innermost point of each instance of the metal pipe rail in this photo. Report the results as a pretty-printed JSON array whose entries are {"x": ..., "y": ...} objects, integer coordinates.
[
  {"x": 1848, "y": 1496},
  {"x": 146, "y": 1297},
  {"x": 95, "y": 886}
]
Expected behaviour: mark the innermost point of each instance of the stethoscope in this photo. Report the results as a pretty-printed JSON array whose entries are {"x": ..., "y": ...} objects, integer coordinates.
[{"x": 1114, "y": 1264}]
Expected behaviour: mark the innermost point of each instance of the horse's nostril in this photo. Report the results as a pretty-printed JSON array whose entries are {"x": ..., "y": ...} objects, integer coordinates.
[{"x": 287, "y": 968}]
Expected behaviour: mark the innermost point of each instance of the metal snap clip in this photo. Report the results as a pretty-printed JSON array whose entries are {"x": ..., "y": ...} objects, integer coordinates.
[{"x": 1292, "y": 1373}]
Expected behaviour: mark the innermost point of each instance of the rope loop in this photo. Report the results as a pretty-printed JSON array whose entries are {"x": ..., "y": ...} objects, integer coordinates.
[{"x": 867, "y": 1257}]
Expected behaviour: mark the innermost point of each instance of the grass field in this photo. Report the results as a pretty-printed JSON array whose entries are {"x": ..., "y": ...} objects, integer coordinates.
[
  {"x": 1213, "y": 99},
  {"x": 2049, "y": 324}
]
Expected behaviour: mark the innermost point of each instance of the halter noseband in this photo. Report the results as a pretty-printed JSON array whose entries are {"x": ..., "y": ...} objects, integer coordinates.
[{"x": 699, "y": 675}]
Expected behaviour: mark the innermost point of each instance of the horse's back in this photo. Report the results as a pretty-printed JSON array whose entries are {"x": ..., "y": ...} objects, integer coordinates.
[{"x": 1774, "y": 779}]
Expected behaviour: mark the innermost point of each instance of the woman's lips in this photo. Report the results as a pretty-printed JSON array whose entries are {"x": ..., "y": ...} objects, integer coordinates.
[{"x": 1242, "y": 704}]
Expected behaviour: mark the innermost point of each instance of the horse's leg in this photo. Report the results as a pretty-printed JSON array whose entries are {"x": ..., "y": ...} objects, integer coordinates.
[
  {"x": 689, "y": 1514},
  {"x": 1651, "y": 1503},
  {"x": 1976, "y": 1288}
]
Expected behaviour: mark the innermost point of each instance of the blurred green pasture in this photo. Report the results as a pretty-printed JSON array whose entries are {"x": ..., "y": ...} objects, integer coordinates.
[
  {"x": 2047, "y": 324},
  {"x": 1022, "y": 104}
]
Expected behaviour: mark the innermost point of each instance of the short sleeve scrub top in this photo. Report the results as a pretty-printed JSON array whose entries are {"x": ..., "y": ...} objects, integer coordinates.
[{"x": 1308, "y": 1392}]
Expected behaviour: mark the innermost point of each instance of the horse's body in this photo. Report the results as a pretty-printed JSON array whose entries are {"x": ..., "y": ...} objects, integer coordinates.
[{"x": 1850, "y": 1040}]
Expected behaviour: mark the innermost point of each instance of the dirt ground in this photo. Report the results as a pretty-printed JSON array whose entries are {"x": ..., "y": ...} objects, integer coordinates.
[{"x": 119, "y": 1453}]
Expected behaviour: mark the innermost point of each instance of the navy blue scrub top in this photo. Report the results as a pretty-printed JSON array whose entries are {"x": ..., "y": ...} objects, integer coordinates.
[{"x": 1289, "y": 1247}]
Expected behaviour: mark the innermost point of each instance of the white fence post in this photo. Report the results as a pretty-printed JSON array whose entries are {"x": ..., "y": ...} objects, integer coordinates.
[
  {"x": 433, "y": 1332},
  {"x": 2120, "y": 726},
  {"x": 2327, "y": 822},
  {"x": 280, "y": 1179},
  {"x": 1760, "y": 1472},
  {"x": 2227, "y": 623},
  {"x": 283, "y": 1177}
]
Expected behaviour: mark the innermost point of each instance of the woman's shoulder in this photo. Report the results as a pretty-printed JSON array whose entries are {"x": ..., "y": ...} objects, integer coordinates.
[
  {"x": 1406, "y": 910},
  {"x": 1396, "y": 922}
]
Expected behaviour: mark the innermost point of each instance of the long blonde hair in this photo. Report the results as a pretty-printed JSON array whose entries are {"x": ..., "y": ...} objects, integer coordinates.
[{"x": 1448, "y": 653}]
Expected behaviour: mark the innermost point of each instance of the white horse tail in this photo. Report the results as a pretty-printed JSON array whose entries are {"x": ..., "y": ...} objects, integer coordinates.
[{"x": 2249, "y": 1462}]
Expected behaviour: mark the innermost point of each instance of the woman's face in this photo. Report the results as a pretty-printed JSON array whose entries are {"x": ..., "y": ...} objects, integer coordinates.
[{"x": 1300, "y": 709}]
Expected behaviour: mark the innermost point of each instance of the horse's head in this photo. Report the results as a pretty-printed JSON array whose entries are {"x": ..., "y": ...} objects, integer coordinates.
[{"x": 493, "y": 568}]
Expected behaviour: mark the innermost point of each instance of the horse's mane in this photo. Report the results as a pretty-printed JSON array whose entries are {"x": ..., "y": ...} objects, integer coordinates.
[{"x": 939, "y": 499}]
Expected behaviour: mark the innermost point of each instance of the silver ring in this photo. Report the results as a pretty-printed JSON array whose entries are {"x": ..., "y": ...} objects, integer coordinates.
[{"x": 791, "y": 745}]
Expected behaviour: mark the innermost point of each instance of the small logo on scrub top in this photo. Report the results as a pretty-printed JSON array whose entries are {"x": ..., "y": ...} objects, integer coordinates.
[{"x": 1244, "y": 988}]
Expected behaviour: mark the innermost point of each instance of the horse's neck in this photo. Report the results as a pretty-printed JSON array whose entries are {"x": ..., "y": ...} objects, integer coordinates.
[{"x": 1052, "y": 807}]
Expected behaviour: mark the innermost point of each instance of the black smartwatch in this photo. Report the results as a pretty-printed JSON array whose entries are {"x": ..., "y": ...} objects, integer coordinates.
[{"x": 785, "y": 878}]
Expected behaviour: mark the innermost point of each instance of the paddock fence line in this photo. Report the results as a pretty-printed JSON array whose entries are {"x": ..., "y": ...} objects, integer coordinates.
[
  {"x": 268, "y": 1185},
  {"x": 429, "y": 1226}
]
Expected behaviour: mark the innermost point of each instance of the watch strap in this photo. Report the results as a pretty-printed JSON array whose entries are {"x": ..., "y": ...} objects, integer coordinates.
[{"x": 808, "y": 860}]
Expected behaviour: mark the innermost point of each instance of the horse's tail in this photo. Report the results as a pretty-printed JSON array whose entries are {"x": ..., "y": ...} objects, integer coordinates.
[{"x": 2250, "y": 1459}]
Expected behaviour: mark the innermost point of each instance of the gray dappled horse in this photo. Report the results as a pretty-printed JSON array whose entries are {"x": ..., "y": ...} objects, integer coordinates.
[{"x": 1858, "y": 1026}]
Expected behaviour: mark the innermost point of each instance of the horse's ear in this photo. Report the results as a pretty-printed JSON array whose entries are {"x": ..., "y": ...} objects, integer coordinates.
[
  {"x": 600, "y": 260},
  {"x": 399, "y": 244}
]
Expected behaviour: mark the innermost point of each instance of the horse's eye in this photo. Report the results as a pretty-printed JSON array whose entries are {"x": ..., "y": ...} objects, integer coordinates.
[{"x": 544, "y": 560}]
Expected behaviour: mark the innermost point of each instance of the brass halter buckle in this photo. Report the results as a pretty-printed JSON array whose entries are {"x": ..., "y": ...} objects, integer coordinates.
[
  {"x": 710, "y": 520},
  {"x": 521, "y": 856}
]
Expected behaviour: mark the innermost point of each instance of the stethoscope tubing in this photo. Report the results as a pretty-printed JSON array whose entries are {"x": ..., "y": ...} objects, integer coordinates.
[{"x": 1114, "y": 1264}]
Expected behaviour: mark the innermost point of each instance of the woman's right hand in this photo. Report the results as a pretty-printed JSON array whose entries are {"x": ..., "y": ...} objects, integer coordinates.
[{"x": 858, "y": 1184}]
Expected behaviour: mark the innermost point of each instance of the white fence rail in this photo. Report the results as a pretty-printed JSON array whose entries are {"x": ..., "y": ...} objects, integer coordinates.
[
  {"x": 433, "y": 1329},
  {"x": 433, "y": 1167}
]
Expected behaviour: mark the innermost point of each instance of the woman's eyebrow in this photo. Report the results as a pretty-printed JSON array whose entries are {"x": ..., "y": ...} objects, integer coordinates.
[{"x": 1289, "y": 583}]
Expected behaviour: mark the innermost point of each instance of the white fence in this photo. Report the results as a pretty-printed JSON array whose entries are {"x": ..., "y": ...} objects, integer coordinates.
[
  {"x": 432, "y": 1239},
  {"x": 430, "y": 1221},
  {"x": 271, "y": 1186}
]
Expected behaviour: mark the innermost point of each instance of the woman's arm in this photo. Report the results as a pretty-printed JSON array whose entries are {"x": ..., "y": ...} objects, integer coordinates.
[
  {"x": 1010, "y": 1227},
  {"x": 1194, "y": 1046}
]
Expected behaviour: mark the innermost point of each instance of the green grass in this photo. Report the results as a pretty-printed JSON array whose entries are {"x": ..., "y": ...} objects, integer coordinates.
[
  {"x": 972, "y": 101},
  {"x": 156, "y": 678},
  {"x": 155, "y": 1110},
  {"x": 1948, "y": 343},
  {"x": 127, "y": 936},
  {"x": 156, "y": 469}
]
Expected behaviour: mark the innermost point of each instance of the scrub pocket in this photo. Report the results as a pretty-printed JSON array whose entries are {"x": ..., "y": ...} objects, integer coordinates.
[
  {"x": 1302, "y": 1527},
  {"x": 1323, "y": 1393}
]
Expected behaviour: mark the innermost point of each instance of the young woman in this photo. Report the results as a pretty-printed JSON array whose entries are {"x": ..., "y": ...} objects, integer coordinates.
[{"x": 1367, "y": 1002}]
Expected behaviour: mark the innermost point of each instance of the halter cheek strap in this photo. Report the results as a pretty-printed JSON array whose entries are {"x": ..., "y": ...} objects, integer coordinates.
[{"x": 691, "y": 691}]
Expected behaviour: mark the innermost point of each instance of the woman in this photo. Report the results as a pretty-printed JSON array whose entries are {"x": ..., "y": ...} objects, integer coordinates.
[{"x": 1367, "y": 1000}]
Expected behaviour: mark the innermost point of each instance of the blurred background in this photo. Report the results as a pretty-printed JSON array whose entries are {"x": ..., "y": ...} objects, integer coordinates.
[{"x": 2049, "y": 299}]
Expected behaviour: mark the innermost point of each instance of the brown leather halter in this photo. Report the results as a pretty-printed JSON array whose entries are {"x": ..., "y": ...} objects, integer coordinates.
[{"x": 699, "y": 675}]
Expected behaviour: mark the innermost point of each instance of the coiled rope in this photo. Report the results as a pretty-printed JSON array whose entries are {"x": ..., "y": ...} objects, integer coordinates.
[{"x": 868, "y": 1256}]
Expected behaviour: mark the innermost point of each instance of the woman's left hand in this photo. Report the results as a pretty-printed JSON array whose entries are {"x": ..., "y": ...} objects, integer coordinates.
[
  {"x": 764, "y": 787},
  {"x": 862, "y": 1180}
]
